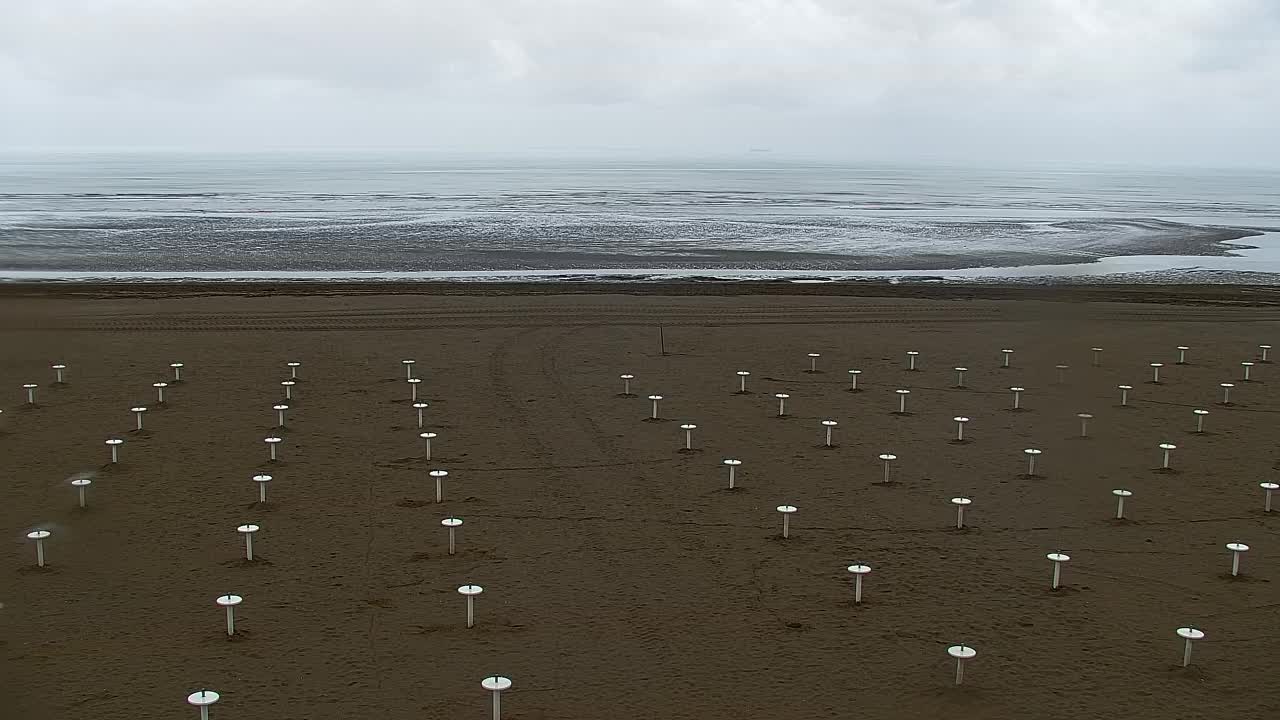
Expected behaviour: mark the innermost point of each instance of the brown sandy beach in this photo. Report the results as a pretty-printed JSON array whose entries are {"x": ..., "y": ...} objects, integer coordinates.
[{"x": 622, "y": 580}]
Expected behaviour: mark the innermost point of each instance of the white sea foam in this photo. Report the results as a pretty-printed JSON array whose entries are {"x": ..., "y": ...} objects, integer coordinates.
[{"x": 317, "y": 218}]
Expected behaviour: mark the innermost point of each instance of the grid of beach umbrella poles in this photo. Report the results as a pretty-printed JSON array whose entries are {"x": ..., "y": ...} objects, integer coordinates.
[{"x": 721, "y": 467}]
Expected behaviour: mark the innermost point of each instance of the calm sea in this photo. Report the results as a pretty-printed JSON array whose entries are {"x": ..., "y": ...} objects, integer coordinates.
[{"x": 329, "y": 214}]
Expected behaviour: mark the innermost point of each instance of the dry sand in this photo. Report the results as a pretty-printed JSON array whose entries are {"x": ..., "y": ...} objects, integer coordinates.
[{"x": 621, "y": 579}]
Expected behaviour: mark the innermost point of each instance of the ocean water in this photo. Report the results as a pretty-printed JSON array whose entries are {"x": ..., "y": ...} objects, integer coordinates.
[{"x": 338, "y": 216}]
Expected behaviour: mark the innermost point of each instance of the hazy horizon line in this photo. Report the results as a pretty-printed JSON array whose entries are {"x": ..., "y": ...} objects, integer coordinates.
[{"x": 606, "y": 154}]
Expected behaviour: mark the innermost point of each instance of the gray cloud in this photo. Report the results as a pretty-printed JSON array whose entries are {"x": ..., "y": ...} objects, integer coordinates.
[{"x": 965, "y": 80}]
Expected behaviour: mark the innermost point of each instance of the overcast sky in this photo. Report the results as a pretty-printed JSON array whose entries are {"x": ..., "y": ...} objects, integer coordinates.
[{"x": 1129, "y": 81}]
